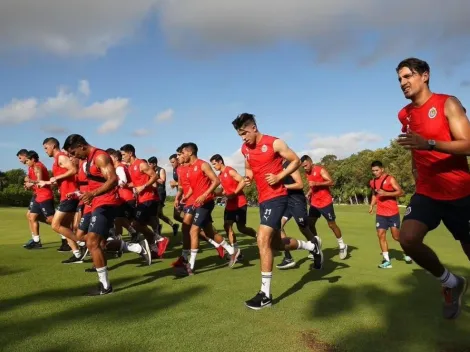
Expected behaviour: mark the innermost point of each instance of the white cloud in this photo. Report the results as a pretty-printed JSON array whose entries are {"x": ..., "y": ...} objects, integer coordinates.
[
  {"x": 54, "y": 129},
  {"x": 140, "y": 132},
  {"x": 166, "y": 115},
  {"x": 235, "y": 160},
  {"x": 111, "y": 112}
]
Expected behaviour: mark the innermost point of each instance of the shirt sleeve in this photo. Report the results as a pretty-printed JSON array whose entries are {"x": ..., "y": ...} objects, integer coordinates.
[{"x": 121, "y": 175}]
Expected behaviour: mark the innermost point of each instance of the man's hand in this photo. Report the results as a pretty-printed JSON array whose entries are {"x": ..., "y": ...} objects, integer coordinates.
[
  {"x": 412, "y": 140},
  {"x": 176, "y": 203},
  {"x": 247, "y": 181},
  {"x": 53, "y": 180},
  {"x": 272, "y": 179},
  {"x": 371, "y": 209},
  {"x": 87, "y": 197},
  {"x": 381, "y": 192},
  {"x": 139, "y": 189},
  {"x": 200, "y": 200}
]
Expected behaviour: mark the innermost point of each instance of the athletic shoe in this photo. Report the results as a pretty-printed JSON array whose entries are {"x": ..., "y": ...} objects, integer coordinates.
[
  {"x": 286, "y": 263},
  {"x": 28, "y": 243},
  {"x": 33, "y": 245},
  {"x": 386, "y": 264},
  {"x": 343, "y": 252},
  {"x": 408, "y": 260},
  {"x": 99, "y": 291},
  {"x": 453, "y": 298},
  {"x": 162, "y": 246},
  {"x": 234, "y": 257},
  {"x": 317, "y": 254},
  {"x": 73, "y": 260},
  {"x": 259, "y": 301},
  {"x": 145, "y": 252}
]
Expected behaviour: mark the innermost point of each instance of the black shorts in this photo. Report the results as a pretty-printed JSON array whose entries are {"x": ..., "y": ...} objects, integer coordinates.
[
  {"x": 85, "y": 222},
  {"x": 387, "y": 222},
  {"x": 31, "y": 202},
  {"x": 144, "y": 211},
  {"x": 203, "y": 214},
  {"x": 102, "y": 220},
  {"x": 328, "y": 212},
  {"x": 162, "y": 196},
  {"x": 80, "y": 208},
  {"x": 297, "y": 208},
  {"x": 68, "y": 206},
  {"x": 45, "y": 208},
  {"x": 455, "y": 214},
  {"x": 271, "y": 212},
  {"x": 189, "y": 209},
  {"x": 126, "y": 210},
  {"x": 180, "y": 208},
  {"x": 238, "y": 216}
]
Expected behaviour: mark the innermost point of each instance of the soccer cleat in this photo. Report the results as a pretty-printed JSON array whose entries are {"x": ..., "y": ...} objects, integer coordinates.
[
  {"x": 33, "y": 245},
  {"x": 221, "y": 251},
  {"x": 408, "y": 260},
  {"x": 386, "y": 264},
  {"x": 179, "y": 262},
  {"x": 184, "y": 270},
  {"x": 145, "y": 252},
  {"x": 175, "y": 229},
  {"x": 28, "y": 243},
  {"x": 73, "y": 260},
  {"x": 317, "y": 255},
  {"x": 234, "y": 257},
  {"x": 64, "y": 247},
  {"x": 162, "y": 246},
  {"x": 343, "y": 252},
  {"x": 286, "y": 263},
  {"x": 100, "y": 290},
  {"x": 259, "y": 301},
  {"x": 453, "y": 298}
]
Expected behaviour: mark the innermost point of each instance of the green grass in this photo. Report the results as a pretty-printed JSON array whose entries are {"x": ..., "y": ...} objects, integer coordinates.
[{"x": 350, "y": 305}]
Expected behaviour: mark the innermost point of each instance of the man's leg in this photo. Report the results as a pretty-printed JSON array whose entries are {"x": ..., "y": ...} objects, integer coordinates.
[
  {"x": 166, "y": 219},
  {"x": 394, "y": 224},
  {"x": 381, "y": 227}
]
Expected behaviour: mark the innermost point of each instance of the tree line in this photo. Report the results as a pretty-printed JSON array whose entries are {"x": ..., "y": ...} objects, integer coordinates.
[{"x": 351, "y": 176}]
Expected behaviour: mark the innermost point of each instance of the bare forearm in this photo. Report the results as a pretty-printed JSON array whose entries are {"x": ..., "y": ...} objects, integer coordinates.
[
  {"x": 461, "y": 147},
  {"x": 106, "y": 187},
  {"x": 291, "y": 168}
]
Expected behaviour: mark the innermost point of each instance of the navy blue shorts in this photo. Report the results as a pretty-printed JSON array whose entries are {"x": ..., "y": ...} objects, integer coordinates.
[
  {"x": 68, "y": 206},
  {"x": 31, "y": 202},
  {"x": 328, "y": 212},
  {"x": 455, "y": 214},
  {"x": 237, "y": 216},
  {"x": 144, "y": 211},
  {"x": 387, "y": 222},
  {"x": 203, "y": 214},
  {"x": 126, "y": 210},
  {"x": 102, "y": 220},
  {"x": 45, "y": 208},
  {"x": 297, "y": 209},
  {"x": 271, "y": 212},
  {"x": 189, "y": 209},
  {"x": 84, "y": 224}
]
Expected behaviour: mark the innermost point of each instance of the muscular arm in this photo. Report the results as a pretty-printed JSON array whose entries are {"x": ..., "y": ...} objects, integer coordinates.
[
  {"x": 298, "y": 183},
  {"x": 66, "y": 163},
  {"x": 146, "y": 169},
  {"x": 38, "y": 173},
  {"x": 215, "y": 182},
  {"x": 288, "y": 154},
  {"x": 237, "y": 177},
  {"x": 398, "y": 192},
  {"x": 162, "y": 177},
  {"x": 373, "y": 201},
  {"x": 104, "y": 163},
  {"x": 459, "y": 129},
  {"x": 328, "y": 181},
  {"x": 248, "y": 170}
]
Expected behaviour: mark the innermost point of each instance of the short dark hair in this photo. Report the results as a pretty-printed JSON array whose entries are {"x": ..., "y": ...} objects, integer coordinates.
[
  {"x": 415, "y": 65},
  {"x": 172, "y": 156},
  {"x": 218, "y": 158},
  {"x": 153, "y": 160},
  {"x": 191, "y": 146},
  {"x": 377, "y": 163},
  {"x": 243, "y": 120},
  {"x": 32, "y": 155},
  {"x": 53, "y": 141},
  {"x": 22, "y": 152},
  {"x": 114, "y": 153},
  {"x": 179, "y": 149},
  {"x": 305, "y": 158},
  {"x": 74, "y": 140},
  {"x": 145, "y": 160},
  {"x": 128, "y": 148}
]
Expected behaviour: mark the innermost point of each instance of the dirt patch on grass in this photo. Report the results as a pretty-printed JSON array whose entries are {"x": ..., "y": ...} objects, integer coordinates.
[{"x": 311, "y": 340}]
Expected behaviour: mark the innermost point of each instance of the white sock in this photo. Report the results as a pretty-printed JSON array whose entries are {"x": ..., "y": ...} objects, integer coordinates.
[
  {"x": 36, "y": 238},
  {"x": 131, "y": 230},
  {"x": 63, "y": 237},
  {"x": 341, "y": 242},
  {"x": 266, "y": 283},
  {"x": 103, "y": 277},
  {"x": 386, "y": 257},
  {"x": 212, "y": 242},
  {"x": 192, "y": 258},
  {"x": 77, "y": 253},
  {"x": 448, "y": 279},
  {"x": 309, "y": 246},
  {"x": 227, "y": 247},
  {"x": 186, "y": 253}
]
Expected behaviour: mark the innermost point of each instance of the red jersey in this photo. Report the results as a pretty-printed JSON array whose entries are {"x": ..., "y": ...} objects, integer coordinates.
[
  {"x": 198, "y": 181},
  {"x": 139, "y": 179},
  {"x": 264, "y": 160},
  {"x": 230, "y": 185},
  {"x": 440, "y": 176},
  {"x": 82, "y": 180},
  {"x": 96, "y": 180},
  {"x": 66, "y": 185},
  {"x": 43, "y": 193},
  {"x": 321, "y": 196},
  {"x": 184, "y": 183},
  {"x": 126, "y": 193},
  {"x": 386, "y": 206}
]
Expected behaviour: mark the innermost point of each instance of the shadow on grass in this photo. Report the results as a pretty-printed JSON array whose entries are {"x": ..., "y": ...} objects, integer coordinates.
[
  {"x": 4, "y": 271},
  {"x": 410, "y": 320}
]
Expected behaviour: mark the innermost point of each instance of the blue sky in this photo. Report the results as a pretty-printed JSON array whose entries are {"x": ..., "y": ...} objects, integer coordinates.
[{"x": 155, "y": 88}]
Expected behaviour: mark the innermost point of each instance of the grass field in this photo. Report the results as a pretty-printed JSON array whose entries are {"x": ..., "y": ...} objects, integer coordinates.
[{"x": 350, "y": 305}]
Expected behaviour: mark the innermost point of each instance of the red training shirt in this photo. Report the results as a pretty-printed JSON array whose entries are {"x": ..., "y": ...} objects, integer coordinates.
[
  {"x": 198, "y": 181},
  {"x": 230, "y": 185},
  {"x": 66, "y": 185},
  {"x": 321, "y": 195},
  {"x": 386, "y": 206}
]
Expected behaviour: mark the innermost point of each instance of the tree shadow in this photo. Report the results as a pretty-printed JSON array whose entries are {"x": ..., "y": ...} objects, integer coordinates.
[
  {"x": 410, "y": 319},
  {"x": 5, "y": 270}
]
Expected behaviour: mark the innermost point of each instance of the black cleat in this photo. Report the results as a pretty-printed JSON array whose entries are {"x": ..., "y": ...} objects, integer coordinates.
[
  {"x": 33, "y": 245},
  {"x": 100, "y": 290},
  {"x": 64, "y": 247},
  {"x": 286, "y": 264},
  {"x": 260, "y": 301},
  {"x": 73, "y": 260}
]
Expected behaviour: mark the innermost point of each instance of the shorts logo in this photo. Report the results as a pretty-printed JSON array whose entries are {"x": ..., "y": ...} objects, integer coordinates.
[
  {"x": 377, "y": 225},
  {"x": 264, "y": 148},
  {"x": 93, "y": 220},
  {"x": 432, "y": 112},
  {"x": 408, "y": 211}
]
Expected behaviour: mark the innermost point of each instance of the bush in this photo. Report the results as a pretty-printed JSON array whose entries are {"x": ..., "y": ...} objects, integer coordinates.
[{"x": 15, "y": 196}]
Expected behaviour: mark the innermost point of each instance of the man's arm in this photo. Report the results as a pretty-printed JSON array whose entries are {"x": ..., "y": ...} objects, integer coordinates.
[
  {"x": 66, "y": 163},
  {"x": 146, "y": 169},
  {"x": 328, "y": 181},
  {"x": 288, "y": 154},
  {"x": 248, "y": 171},
  {"x": 298, "y": 183},
  {"x": 162, "y": 177},
  {"x": 215, "y": 182},
  {"x": 104, "y": 163},
  {"x": 237, "y": 177},
  {"x": 38, "y": 173},
  {"x": 398, "y": 192}
]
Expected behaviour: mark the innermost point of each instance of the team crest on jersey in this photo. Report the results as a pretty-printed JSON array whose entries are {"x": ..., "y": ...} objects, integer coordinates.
[
  {"x": 432, "y": 112},
  {"x": 264, "y": 148},
  {"x": 195, "y": 168},
  {"x": 135, "y": 167},
  {"x": 408, "y": 211},
  {"x": 225, "y": 175}
]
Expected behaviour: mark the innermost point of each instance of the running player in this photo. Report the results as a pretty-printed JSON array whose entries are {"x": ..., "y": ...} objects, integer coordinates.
[
  {"x": 385, "y": 190},
  {"x": 161, "y": 189},
  {"x": 64, "y": 171},
  {"x": 142, "y": 179},
  {"x": 174, "y": 184},
  {"x": 437, "y": 131},
  {"x": 321, "y": 201},
  {"x": 43, "y": 203},
  {"x": 263, "y": 164},
  {"x": 297, "y": 208},
  {"x": 202, "y": 181},
  {"x": 236, "y": 207}
]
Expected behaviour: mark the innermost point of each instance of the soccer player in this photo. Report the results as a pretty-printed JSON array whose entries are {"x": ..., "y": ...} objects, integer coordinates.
[
  {"x": 385, "y": 190},
  {"x": 236, "y": 207},
  {"x": 263, "y": 164},
  {"x": 161, "y": 189},
  {"x": 174, "y": 184},
  {"x": 142, "y": 179},
  {"x": 437, "y": 131},
  {"x": 43, "y": 203},
  {"x": 103, "y": 197},
  {"x": 297, "y": 208},
  {"x": 321, "y": 201},
  {"x": 64, "y": 171},
  {"x": 202, "y": 181}
]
